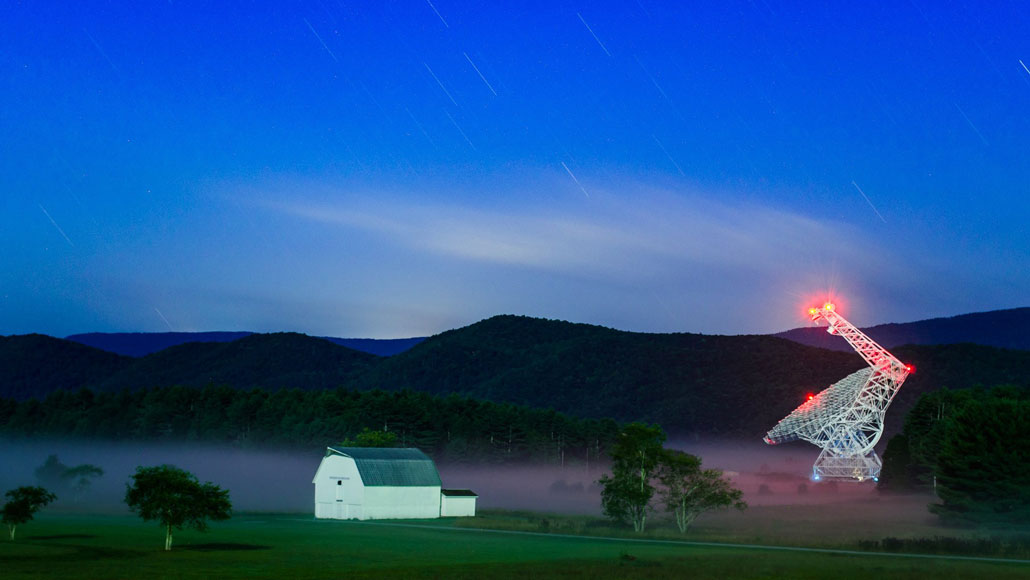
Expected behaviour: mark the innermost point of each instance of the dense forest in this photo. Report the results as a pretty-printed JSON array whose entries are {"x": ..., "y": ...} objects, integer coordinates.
[
  {"x": 451, "y": 428},
  {"x": 971, "y": 448},
  {"x": 691, "y": 384}
]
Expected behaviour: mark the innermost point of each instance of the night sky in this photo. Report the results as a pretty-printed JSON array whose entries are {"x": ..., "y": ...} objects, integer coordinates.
[{"x": 392, "y": 169}]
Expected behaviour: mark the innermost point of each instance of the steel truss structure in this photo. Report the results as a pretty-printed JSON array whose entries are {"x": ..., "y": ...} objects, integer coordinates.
[{"x": 846, "y": 418}]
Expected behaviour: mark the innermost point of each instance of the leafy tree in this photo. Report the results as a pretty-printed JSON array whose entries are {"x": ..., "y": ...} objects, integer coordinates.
[
  {"x": 688, "y": 491},
  {"x": 626, "y": 494},
  {"x": 22, "y": 504},
  {"x": 369, "y": 438},
  {"x": 175, "y": 499}
]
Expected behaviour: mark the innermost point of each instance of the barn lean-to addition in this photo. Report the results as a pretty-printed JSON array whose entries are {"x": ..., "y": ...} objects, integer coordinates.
[
  {"x": 457, "y": 503},
  {"x": 371, "y": 483}
]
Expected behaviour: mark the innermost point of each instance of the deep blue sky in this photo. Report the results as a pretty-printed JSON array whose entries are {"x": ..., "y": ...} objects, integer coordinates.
[{"x": 389, "y": 169}]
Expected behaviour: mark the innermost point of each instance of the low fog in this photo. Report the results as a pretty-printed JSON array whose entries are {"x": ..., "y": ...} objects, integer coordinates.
[{"x": 280, "y": 481}]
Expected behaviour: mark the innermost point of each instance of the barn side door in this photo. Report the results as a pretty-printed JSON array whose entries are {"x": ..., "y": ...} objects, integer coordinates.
[{"x": 341, "y": 508}]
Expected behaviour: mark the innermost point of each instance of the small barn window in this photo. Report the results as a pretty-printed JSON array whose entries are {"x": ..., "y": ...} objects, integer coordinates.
[{"x": 339, "y": 482}]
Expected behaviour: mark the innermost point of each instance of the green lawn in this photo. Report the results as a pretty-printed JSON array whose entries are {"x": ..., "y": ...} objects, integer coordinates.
[{"x": 296, "y": 546}]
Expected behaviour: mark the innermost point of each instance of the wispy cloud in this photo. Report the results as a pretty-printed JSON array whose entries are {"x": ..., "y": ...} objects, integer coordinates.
[{"x": 613, "y": 235}]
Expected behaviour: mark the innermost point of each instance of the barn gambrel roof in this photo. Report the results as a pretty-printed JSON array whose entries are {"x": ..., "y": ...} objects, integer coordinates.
[{"x": 391, "y": 466}]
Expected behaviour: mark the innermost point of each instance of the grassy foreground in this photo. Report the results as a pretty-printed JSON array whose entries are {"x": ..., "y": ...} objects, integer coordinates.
[{"x": 296, "y": 546}]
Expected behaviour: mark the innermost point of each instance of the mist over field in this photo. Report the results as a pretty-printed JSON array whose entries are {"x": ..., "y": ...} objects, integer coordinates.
[
  {"x": 264, "y": 480},
  {"x": 257, "y": 480}
]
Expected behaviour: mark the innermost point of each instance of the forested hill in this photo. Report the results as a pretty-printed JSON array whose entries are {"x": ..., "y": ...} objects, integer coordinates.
[
  {"x": 1000, "y": 328},
  {"x": 36, "y": 365},
  {"x": 143, "y": 343},
  {"x": 689, "y": 383},
  {"x": 32, "y": 365},
  {"x": 279, "y": 360}
]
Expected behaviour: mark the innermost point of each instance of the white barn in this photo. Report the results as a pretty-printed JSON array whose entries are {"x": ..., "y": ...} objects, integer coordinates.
[{"x": 371, "y": 483}]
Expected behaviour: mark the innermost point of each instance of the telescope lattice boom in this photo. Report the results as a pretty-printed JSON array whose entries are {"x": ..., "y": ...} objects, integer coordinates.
[{"x": 846, "y": 418}]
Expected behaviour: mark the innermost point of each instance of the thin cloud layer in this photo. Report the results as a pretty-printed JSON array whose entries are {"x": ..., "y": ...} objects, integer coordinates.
[{"x": 647, "y": 233}]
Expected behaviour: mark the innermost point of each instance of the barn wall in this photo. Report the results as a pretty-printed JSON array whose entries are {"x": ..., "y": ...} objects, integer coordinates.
[
  {"x": 339, "y": 493},
  {"x": 457, "y": 506},
  {"x": 401, "y": 502}
]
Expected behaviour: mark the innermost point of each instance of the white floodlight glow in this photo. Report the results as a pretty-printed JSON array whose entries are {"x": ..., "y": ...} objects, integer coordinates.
[{"x": 846, "y": 418}]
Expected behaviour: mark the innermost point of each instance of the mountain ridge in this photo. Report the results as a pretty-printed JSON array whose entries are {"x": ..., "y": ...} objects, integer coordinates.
[
  {"x": 998, "y": 328},
  {"x": 689, "y": 383},
  {"x": 139, "y": 344},
  {"x": 709, "y": 384}
]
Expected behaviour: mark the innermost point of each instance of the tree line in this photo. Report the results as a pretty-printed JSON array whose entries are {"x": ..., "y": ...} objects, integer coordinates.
[
  {"x": 449, "y": 428},
  {"x": 970, "y": 447}
]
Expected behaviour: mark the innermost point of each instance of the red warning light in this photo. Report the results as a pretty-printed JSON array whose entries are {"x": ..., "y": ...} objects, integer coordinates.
[
  {"x": 911, "y": 369},
  {"x": 809, "y": 397}
]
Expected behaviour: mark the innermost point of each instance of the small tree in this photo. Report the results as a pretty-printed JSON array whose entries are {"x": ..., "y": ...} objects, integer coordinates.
[
  {"x": 80, "y": 477},
  {"x": 22, "y": 505},
  {"x": 51, "y": 473},
  {"x": 55, "y": 475},
  {"x": 688, "y": 491},
  {"x": 368, "y": 438},
  {"x": 175, "y": 498},
  {"x": 627, "y": 492}
]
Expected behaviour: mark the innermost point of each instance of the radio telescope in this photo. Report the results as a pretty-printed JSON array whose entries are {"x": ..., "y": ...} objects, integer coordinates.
[{"x": 846, "y": 418}]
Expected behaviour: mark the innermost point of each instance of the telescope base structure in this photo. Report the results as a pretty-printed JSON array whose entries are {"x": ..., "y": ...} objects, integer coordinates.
[
  {"x": 846, "y": 418},
  {"x": 861, "y": 467}
]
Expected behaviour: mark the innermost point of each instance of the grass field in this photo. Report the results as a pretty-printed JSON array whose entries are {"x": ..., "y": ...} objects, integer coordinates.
[{"x": 296, "y": 546}]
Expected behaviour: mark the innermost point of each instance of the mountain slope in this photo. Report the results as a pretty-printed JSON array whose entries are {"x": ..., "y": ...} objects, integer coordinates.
[
  {"x": 689, "y": 383},
  {"x": 33, "y": 365},
  {"x": 280, "y": 360},
  {"x": 1000, "y": 328},
  {"x": 139, "y": 344}
]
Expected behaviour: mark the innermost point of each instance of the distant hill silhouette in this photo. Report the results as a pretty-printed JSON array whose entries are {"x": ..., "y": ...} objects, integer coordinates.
[
  {"x": 33, "y": 365},
  {"x": 689, "y": 383},
  {"x": 377, "y": 346},
  {"x": 280, "y": 360},
  {"x": 1001, "y": 328},
  {"x": 143, "y": 343},
  {"x": 139, "y": 344}
]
